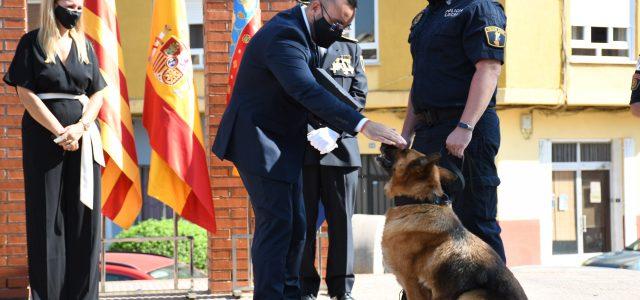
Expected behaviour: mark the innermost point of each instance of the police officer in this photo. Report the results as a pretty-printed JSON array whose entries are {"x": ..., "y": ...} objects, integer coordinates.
[
  {"x": 458, "y": 49},
  {"x": 332, "y": 179},
  {"x": 635, "y": 92}
]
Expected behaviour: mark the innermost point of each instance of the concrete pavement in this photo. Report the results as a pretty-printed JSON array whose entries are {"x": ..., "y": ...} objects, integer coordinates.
[{"x": 540, "y": 283}]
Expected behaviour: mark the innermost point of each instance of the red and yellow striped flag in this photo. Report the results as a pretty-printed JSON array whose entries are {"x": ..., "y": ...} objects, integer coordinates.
[
  {"x": 179, "y": 174},
  {"x": 121, "y": 191}
]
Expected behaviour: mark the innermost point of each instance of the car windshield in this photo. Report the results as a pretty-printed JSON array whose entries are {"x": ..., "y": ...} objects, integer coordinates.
[
  {"x": 634, "y": 247},
  {"x": 183, "y": 272}
]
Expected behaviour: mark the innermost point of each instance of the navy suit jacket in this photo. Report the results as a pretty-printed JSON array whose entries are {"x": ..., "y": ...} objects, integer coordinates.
[
  {"x": 263, "y": 130},
  {"x": 347, "y": 154}
]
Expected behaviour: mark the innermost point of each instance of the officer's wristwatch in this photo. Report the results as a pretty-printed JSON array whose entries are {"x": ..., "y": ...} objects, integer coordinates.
[{"x": 466, "y": 126}]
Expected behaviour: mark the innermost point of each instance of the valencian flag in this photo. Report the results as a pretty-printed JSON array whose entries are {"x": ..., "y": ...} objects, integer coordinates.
[
  {"x": 246, "y": 24},
  {"x": 178, "y": 174},
  {"x": 121, "y": 191}
]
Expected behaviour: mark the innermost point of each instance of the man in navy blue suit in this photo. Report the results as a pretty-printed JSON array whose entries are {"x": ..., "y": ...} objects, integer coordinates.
[{"x": 263, "y": 132}]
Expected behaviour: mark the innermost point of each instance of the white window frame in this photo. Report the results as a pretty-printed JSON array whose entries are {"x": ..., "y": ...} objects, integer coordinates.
[
  {"x": 629, "y": 45},
  {"x": 197, "y": 52},
  {"x": 370, "y": 46}
]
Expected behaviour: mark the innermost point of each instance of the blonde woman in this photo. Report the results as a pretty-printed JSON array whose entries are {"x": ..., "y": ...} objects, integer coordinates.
[{"x": 56, "y": 75}]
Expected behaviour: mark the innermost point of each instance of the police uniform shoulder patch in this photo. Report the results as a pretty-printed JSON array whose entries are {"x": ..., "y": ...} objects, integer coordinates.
[
  {"x": 635, "y": 81},
  {"x": 496, "y": 36},
  {"x": 417, "y": 19}
]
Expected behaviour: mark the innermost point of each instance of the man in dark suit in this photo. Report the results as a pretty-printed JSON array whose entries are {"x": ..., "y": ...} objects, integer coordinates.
[
  {"x": 332, "y": 178},
  {"x": 264, "y": 127}
]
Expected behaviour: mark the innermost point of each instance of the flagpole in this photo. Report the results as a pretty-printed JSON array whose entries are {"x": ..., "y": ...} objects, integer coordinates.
[
  {"x": 175, "y": 250},
  {"x": 103, "y": 271}
]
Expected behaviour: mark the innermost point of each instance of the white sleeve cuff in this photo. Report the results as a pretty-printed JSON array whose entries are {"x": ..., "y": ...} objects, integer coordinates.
[{"x": 361, "y": 124}]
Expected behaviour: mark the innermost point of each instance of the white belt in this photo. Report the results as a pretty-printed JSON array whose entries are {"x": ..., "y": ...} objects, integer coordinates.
[{"x": 91, "y": 142}]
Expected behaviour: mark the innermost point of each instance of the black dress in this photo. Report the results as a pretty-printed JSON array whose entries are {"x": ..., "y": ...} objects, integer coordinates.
[{"x": 62, "y": 233}]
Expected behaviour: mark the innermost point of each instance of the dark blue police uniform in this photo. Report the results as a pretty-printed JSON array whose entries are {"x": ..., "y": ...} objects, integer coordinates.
[
  {"x": 447, "y": 39},
  {"x": 332, "y": 179}
]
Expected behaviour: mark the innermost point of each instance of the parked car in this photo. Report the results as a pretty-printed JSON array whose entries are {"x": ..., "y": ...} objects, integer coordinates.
[
  {"x": 137, "y": 266},
  {"x": 629, "y": 258}
]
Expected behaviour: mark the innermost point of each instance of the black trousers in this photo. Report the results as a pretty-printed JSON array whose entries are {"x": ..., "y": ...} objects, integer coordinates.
[
  {"x": 278, "y": 238},
  {"x": 336, "y": 188},
  {"x": 62, "y": 233},
  {"x": 476, "y": 205}
]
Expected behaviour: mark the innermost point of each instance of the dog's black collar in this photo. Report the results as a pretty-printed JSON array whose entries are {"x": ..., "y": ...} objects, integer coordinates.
[{"x": 436, "y": 200}]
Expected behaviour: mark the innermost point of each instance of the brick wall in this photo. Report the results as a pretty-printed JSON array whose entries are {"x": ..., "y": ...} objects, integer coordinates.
[
  {"x": 232, "y": 211},
  {"x": 13, "y": 245}
]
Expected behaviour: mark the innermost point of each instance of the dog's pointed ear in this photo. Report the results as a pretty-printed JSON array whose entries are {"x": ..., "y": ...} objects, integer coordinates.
[
  {"x": 420, "y": 167},
  {"x": 446, "y": 175}
]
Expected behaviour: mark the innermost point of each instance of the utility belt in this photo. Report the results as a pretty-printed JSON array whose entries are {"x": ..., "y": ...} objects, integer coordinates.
[{"x": 434, "y": 115}]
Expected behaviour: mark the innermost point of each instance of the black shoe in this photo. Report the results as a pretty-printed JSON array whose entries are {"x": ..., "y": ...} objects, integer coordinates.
[
  {"x": 346, "y": 296},
  {"x": 308, "y": 297}
]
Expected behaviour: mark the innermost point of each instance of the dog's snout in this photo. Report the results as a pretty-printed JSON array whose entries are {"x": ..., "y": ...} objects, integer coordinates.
[{"x": 387, "y": 157}]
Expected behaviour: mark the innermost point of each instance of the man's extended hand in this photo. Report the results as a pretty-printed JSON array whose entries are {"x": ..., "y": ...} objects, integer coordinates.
[
  {"x": 380, "y": 133},
  {"x": 458, "y": 141}
]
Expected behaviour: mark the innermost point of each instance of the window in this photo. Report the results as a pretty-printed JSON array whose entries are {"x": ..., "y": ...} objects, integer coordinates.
[
  {"x": 365, "y": 29},
  {"x": 196, "y": 32},
  {"x": 33, "y": 14},
  {"x": 602, "y": 32}
]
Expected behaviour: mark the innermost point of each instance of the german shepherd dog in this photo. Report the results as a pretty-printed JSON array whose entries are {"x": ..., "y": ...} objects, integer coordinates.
[{"x": 424, "y": 244}]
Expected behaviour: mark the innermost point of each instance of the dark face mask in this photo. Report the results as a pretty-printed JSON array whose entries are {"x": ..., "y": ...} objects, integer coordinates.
[
  {"x": 67, "y": 18},
  {"x": 324, "y": 33}
]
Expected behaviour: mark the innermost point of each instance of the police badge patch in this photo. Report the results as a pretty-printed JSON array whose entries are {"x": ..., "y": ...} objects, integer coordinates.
[
  {"x": 496, "y": 36},
  {"x": 635, "y": 81},
  {"x": 342, "y": 66}
]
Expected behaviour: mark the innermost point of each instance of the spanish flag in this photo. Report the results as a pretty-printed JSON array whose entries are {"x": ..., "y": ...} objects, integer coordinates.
[
  {"x": 121, "y": 191},
  {"x": 246, "y": 24},
  {"x": 178, "y": 174}
]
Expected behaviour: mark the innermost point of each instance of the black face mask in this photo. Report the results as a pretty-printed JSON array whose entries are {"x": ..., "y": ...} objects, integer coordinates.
[
  {"x": 67, "y": 18},
  {"x": 324, "y": 36}
]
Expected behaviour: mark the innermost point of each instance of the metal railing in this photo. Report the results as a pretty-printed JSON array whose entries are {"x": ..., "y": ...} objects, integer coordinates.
[{"x": 175, "y": 239}]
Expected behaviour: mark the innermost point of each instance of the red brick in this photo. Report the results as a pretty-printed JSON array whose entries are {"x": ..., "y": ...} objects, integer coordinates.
[
  {"x": 10, "y": 143},
  {"x": 220, "y": 286},
  {"x": 18, "y": 282},
  {"x": 11, "y": 33},
  {"x": 218, "y": 14},
  {"x": 216, "y": 5},
  {"x": 16, "y": 174},
  {"x": 13, "y": 3},
  {"x": 17, "y": 239},
  {"x": 13, "y": 293},
  {"x": 17, "y": 218},
  {"x": 17, "y": 260}
]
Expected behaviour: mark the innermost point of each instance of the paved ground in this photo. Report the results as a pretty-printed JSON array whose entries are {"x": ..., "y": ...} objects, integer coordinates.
[{"x": 540, "y": 283}]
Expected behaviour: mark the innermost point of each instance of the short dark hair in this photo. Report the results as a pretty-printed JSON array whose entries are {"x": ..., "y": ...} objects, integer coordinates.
[{"x": 352, "y": 3}]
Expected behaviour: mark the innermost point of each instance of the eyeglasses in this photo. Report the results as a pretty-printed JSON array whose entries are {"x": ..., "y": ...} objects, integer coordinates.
[{"x": 335, "y": 26}]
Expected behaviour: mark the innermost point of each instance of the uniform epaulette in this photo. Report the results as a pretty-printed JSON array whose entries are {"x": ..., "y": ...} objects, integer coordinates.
[{"x": 348, "y": 39}]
